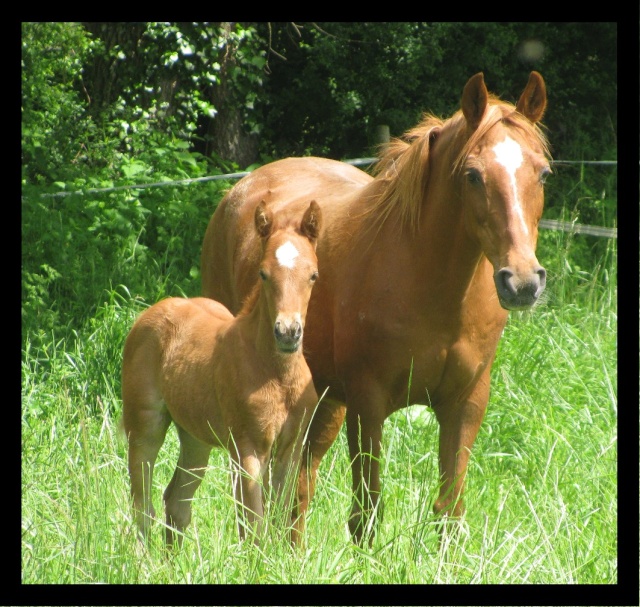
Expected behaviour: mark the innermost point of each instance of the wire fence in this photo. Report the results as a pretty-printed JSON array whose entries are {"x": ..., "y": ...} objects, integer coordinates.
[{"x": 551, "y": 224}]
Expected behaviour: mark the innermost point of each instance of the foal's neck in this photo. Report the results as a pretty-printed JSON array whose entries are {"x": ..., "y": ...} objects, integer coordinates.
[{"x": 257, "y": 328}]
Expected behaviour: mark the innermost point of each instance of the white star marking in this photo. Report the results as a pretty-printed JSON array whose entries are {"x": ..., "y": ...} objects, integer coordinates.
[{"x": 286, "y": 255}]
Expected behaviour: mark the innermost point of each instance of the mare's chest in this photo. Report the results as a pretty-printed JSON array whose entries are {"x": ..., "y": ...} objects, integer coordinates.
[{"x": 418, "y": 347}]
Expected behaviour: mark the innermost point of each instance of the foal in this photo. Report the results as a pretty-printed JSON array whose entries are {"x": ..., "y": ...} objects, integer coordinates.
[{"x": 239, "y": 383}]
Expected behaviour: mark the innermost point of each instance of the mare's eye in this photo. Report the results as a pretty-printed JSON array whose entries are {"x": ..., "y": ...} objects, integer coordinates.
[
  {"x": 544, "y": 174},
  {"x": 263, "y": 274},
  {"x": 474, "y": 177},
  {"x": 314, "y": 277}
]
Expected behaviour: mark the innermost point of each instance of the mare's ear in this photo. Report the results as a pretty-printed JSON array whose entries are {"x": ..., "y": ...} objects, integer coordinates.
[
  {"x": 533, "y": 101},
  {"x": 312, "y": 221},
  {"x": 474, "y": 100},
  {"x": 263, "y": 219}
]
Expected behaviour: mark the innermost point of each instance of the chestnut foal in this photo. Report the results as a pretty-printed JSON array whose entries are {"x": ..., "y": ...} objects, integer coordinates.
[{"x": 239, "y": 383}]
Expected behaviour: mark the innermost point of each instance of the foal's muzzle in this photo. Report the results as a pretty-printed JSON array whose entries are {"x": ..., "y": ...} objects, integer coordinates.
[{"x": 288, "y": 335}]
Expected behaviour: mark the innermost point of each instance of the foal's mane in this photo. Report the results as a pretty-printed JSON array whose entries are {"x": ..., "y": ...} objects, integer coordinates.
[
  {"x": 251, "y": 300},
  {"x": 403, "y": 165}
]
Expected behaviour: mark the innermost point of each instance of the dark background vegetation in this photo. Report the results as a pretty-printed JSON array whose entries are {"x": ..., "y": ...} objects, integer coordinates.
[{"x": 106, "y": 105}]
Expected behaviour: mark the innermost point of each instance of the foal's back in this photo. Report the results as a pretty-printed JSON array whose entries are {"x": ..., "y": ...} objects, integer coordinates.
[{"x": 170, "y": 361}]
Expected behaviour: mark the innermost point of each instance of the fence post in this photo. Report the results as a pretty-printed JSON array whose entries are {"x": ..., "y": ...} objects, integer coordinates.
[{"x": 382, "y": 133}]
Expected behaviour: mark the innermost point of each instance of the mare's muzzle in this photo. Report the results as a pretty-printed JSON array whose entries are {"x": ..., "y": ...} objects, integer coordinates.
[{"x": 517, "y": 291}]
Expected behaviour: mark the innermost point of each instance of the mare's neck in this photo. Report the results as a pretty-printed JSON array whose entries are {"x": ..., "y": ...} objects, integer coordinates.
[
  {"x": 443, "y": 236},
  {"x": 437, "y": 259}
]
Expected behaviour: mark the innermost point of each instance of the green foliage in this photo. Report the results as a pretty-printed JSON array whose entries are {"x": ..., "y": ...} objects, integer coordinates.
[
  {"x": 340, "y": 80},
  {"x": 583, "y": 194},
  {"x": 107, "y": 105},
  {"x": 143, "y": 239},
  {"x": 77, "y": 245},
  {"x": 54, "y": 123}
]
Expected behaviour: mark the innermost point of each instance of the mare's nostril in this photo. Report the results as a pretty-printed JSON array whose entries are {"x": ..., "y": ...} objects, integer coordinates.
[
  {"x": 542, "y": 275},
  {"x": 504, "y": 280}
]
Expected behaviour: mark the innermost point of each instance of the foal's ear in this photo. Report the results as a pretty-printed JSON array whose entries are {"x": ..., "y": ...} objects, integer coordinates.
[
  {"x": 474, "y": 100},
  {"x": 312, "y": 221},
  {"x": 533, "y": 101},
  {"x": 263, "y": 219}
]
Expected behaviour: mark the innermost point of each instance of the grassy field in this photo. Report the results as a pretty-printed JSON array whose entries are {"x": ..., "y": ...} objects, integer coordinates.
[{"x": 541, "y": 488}]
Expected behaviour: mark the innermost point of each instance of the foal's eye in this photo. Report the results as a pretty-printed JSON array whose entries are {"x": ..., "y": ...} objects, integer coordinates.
[
  {"x": 314, "y": 277},
  {"x": 474, "y": 177},
  {"x": 544, "y": 174},
  {"x": 263, "y": 274}
]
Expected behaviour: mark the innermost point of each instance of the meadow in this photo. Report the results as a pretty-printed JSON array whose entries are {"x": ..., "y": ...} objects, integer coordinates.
[
  {"x": 541, "y": 488},
  {"x": 121, "y": 171}
]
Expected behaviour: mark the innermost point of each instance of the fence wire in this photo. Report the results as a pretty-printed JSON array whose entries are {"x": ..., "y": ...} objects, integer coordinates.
[{"x": 550, "y": 224}]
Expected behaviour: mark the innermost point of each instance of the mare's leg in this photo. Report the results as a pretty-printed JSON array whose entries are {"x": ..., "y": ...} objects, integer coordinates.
[
  {"x": 145, "y": 429},
  {"x": 323, "y": 430},
  {"x": 189, "y": 472},
  {"x": 459, "y": 425},
  {"x": 365, "y": 419},
  {"x": 249, "y": 470}
]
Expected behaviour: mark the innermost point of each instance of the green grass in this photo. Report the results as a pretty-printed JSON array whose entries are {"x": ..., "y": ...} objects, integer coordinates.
[{"x": 541, "y": 488}]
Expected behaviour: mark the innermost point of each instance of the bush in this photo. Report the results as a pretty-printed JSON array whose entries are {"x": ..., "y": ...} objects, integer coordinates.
[{"x": 81, "y": 232}]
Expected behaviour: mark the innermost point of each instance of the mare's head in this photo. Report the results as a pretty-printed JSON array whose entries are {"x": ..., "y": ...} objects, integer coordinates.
[
  {"x": 489, "y": 162},
  {"x": 288, "y": 270},
  {"x": 501, "y": 170}
]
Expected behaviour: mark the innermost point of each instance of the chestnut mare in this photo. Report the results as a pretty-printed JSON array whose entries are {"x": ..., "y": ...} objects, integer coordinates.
[
  {"x": 239, "y": 383},
  {"x": 419, "y": 268}
]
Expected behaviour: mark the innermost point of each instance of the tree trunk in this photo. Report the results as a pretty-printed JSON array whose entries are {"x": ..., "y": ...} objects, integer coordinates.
[
  {"x": 225, "y": 133},
  {"x": 101, "y": 78}
]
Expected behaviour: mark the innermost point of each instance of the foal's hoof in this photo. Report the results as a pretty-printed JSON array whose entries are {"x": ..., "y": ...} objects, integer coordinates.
[{"x": 362, "y": 524}]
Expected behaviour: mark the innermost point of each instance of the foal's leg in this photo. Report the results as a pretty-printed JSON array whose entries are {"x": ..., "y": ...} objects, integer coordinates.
[
  {"x": 459, "y": 425},
  {"x": 285, "y": 466},
  {"x": 323, "y": 430},
  {"x": 145, "y": 429},
  {"x": 189, "y": 472},
  {"x": 286, "y": 460},
  {"x": 249, "y": 470}
]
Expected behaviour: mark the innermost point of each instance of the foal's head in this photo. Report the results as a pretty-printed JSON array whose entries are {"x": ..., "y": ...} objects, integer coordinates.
[{"x": 288, "y": 270}]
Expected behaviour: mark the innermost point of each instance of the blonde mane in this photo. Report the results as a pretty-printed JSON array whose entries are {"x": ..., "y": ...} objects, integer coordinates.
[{"x": 402, "y": 170}]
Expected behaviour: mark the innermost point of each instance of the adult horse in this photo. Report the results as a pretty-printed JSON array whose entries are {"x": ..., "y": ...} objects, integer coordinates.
[{"x": 419, "y": 267}]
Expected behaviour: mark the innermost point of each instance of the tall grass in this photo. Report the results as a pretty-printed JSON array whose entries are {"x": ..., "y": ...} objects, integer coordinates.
[{"x": 541, "y": 488}]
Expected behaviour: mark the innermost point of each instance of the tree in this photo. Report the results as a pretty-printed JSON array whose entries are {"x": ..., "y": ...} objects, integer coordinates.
[{"x": 198, "y": 79}]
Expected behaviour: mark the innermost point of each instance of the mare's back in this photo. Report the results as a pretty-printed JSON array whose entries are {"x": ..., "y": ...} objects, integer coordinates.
[{"x": 231, "y": 249}]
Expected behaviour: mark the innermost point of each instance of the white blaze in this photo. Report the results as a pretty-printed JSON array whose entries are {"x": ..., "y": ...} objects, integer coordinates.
[
  {"x": 286, "y": 255},
  {"x": 509, "y": 155}
]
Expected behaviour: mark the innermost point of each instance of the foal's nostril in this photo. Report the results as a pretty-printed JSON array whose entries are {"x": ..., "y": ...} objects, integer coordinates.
[{"x": 288, "y": 335}]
